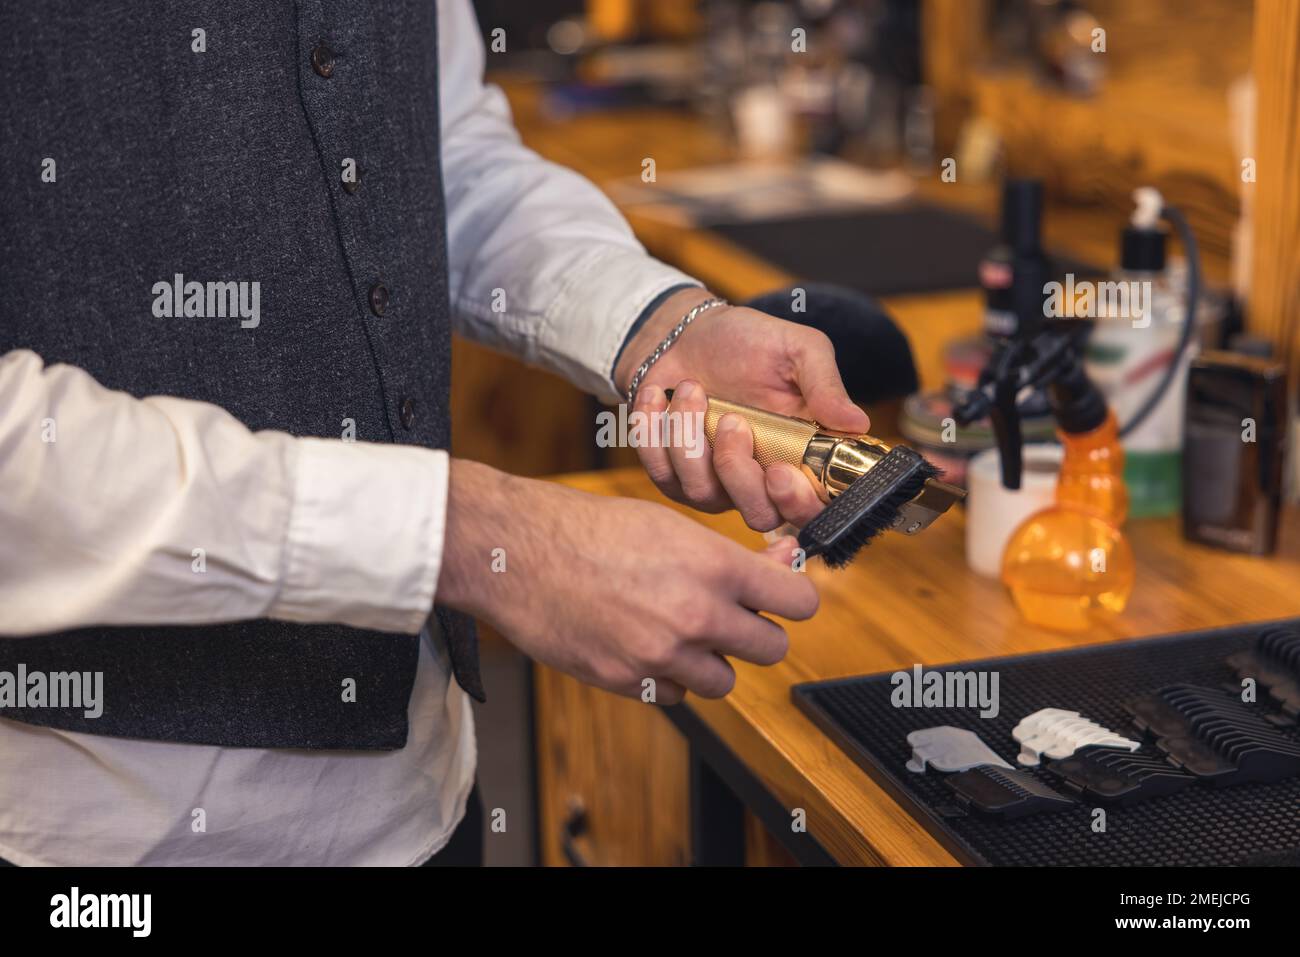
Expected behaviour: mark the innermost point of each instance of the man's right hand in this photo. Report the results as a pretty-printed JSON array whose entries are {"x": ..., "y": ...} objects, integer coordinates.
[{"x": 614, "y": 591}]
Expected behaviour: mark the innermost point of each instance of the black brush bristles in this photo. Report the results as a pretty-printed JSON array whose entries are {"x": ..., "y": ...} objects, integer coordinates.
[{"x": 866, "y": 508}]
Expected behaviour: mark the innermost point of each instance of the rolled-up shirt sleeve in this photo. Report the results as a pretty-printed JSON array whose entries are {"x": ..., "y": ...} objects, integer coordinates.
[
  {"x": 123, "y": 511},
  {"x": 542, "y": 265}
]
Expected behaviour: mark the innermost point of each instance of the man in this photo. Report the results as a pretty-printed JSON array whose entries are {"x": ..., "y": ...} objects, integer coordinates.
[{"x": 233, "y": 245}]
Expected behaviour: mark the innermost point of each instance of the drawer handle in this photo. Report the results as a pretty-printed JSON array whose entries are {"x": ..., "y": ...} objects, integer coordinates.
[{"x": 574, "y": 826}]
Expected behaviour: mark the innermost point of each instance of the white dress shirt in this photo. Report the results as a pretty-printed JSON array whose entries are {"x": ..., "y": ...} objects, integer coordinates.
[{"x": 98, "y": 519}]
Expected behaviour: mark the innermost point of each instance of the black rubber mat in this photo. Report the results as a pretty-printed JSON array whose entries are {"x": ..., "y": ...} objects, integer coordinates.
[
  {"x": 908, "y": 249},
  {"x": 1248, "y": 824}
]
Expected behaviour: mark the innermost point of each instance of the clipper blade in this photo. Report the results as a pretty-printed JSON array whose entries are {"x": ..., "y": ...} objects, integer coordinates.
[{"x": 901, "y": 491}]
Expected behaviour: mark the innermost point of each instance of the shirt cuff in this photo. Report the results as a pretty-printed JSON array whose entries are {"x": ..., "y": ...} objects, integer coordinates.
[
  {"x": 640, "y": 321},
  {"x": 365, "y": 535},
  {"x": 590, "y": 321}
]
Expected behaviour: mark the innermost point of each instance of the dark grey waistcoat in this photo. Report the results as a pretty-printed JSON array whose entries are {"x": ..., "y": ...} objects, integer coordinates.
[{"x": 227, "y": 165}]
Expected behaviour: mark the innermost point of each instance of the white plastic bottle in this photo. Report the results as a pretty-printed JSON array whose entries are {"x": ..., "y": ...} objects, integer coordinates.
[{"x": 1140, "y": 313}]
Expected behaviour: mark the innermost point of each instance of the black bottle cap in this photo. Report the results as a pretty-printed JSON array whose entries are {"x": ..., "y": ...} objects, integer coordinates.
[
  {"x": 1077, "y": 403},
  {"x": 1142, "y": 250},
  {"x": 1022, "y": 214}
]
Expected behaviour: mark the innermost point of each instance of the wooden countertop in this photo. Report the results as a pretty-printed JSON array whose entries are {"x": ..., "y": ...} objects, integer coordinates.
[{"x": 913, "y": 600}]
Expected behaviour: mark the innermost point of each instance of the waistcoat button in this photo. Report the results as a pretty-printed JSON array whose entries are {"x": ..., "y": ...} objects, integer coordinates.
[
  {"x": 408, "y": 413},
  {"x": 350, "y": 186},
  {"x": 322, "y": 60},
  {"x": 378, "y": 298}
]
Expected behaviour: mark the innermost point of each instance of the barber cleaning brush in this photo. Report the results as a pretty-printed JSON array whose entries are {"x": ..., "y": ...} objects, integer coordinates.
[{"x": 233, "y": 249}]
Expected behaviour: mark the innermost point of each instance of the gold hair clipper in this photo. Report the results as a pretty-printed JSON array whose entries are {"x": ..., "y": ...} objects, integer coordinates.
[{"x": 868, "y": 486}]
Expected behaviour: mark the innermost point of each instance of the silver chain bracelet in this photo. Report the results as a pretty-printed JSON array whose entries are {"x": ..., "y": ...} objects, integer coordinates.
[{"x": 664, "y": 346}]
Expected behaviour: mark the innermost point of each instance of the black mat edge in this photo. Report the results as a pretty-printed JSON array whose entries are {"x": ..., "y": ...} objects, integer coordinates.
[{"x": 893, "y": 785}]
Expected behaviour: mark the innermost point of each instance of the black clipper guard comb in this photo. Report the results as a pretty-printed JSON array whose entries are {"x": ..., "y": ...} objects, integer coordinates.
[
  {"x": 1213, "y": 736},
  {"x": 1005, "y": 792},
  {"x": 1273, "y": 661},
  {"x": 1118, "y": 776}
]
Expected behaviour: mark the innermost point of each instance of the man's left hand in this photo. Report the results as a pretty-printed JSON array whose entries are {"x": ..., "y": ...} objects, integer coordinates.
[{"x": 749, "y": 357}]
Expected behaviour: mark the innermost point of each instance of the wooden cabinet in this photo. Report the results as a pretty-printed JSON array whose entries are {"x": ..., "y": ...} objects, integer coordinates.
[
  {"x": 614, "y": 781},
  {"x": 612, "y": 778}
]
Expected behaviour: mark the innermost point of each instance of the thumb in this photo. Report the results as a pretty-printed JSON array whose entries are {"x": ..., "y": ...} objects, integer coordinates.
[{"x": 818, "y": 378}]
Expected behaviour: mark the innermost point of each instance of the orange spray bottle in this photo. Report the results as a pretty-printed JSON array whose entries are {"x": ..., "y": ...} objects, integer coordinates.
[{"x": 1070, "y": 565}]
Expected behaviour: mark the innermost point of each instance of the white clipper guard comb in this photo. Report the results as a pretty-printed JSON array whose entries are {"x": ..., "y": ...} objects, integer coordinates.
[
  {"x": 1054, "y": 733},
  {"x": 946, "y": 748}
]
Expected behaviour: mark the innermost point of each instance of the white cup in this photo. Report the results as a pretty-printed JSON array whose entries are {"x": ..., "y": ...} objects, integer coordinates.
[{"x": 994, "y": 512}]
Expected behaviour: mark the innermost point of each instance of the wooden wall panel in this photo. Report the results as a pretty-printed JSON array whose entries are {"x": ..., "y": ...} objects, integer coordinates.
[
  {"x": 952, "y": 36},
  {"x": 1275, "y": 281},
  {"x": 1159, "y": 118}
]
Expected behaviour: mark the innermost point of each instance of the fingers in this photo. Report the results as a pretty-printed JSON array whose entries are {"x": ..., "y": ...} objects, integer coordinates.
[
  {"x": 751, "y": 637},
  {"x": 818, "y": 378},
  {"x": 652, "y": 402},
  {"x": 782, "y": 551},
  {"x": 676, "y": 456},
  {"x": 700, "y": 667},
  {"x": 693, "y": 668},
  {"x": 668, "y": 692},
  {"x": 663, "y": 691},
  {"x": 697, "y": 663},
  {"x": 703, "y": 672},
  {"x": 683, "y": 468},
  {"x": 791, "y": 493},
  {"x": 764, "y": 500},
  {"x": 689, "y": 452},
  {"x": 716, "y": 623},
  {"x": 769, "y": 582},
  {"x": 741, "y": 476}
]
